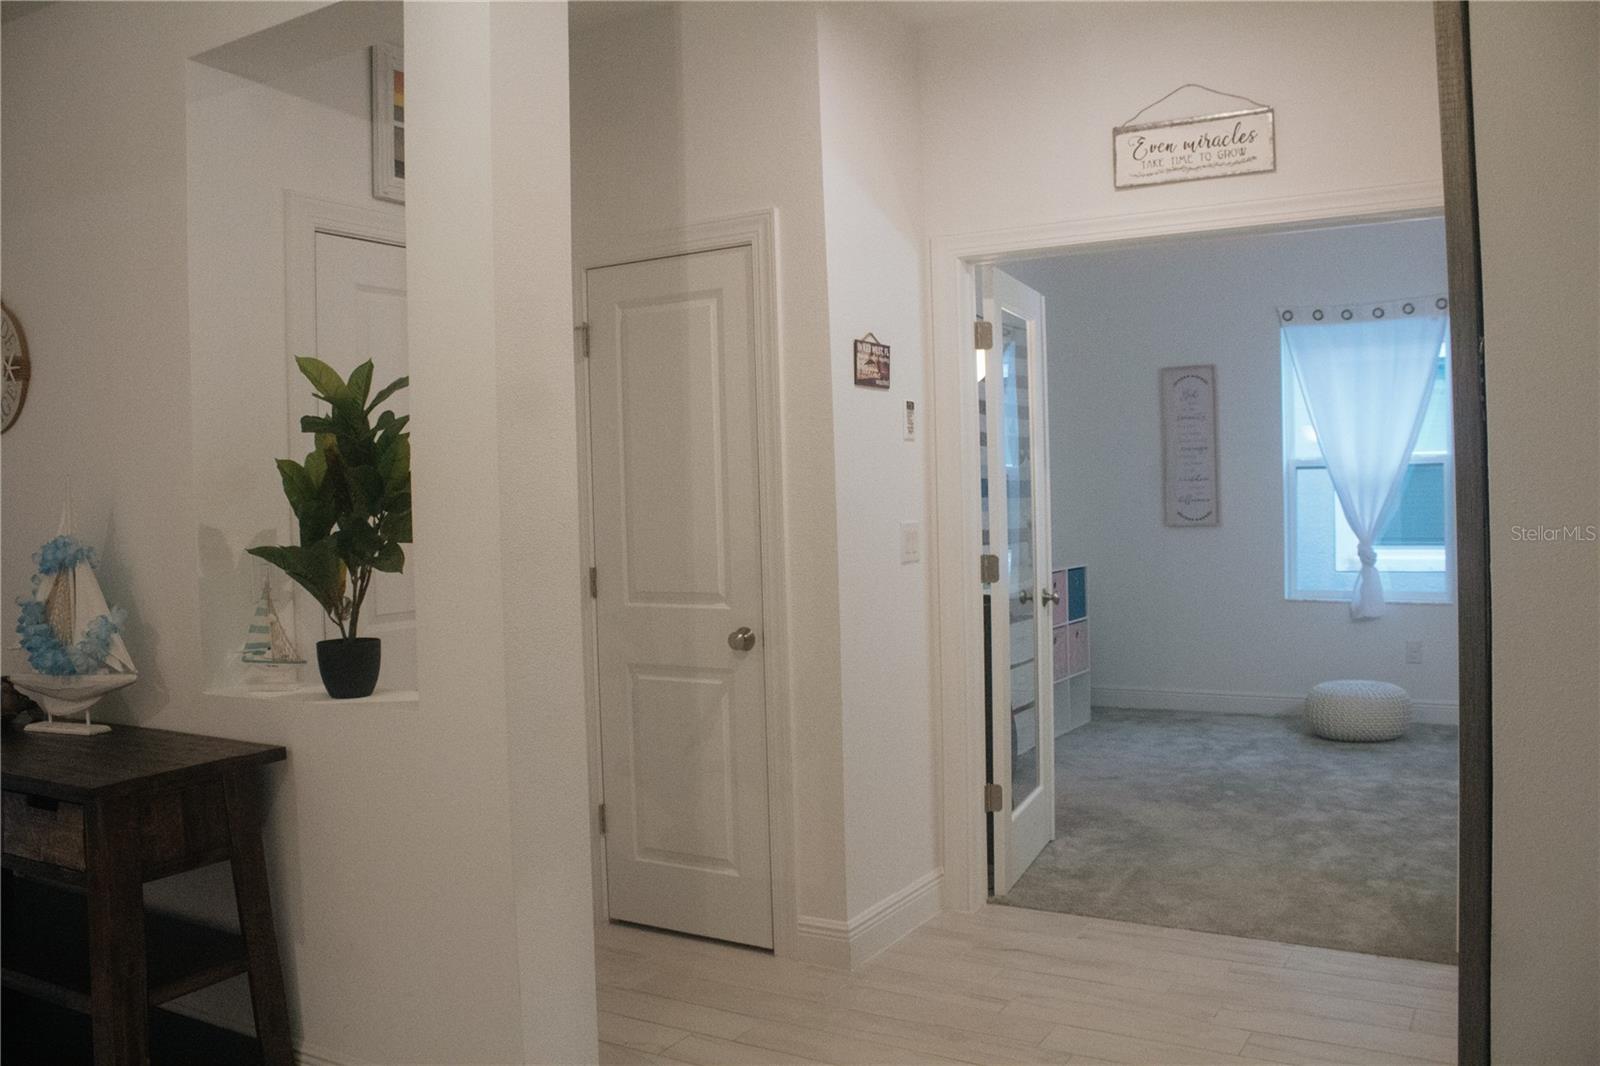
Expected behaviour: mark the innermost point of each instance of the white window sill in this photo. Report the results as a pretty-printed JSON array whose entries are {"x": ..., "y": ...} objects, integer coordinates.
[
  {"x": 309, "y": 695},
  {"x": 1409, "y": 599}
]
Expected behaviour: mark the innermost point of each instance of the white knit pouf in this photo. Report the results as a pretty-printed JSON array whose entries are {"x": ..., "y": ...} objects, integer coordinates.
[{"x": 1358, "y": 710}]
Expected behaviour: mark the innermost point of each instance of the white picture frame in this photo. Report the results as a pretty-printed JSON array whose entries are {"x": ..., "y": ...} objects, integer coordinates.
[
  {"x": 1189, "y": 488},
  {"x": 388, "y": 123}
]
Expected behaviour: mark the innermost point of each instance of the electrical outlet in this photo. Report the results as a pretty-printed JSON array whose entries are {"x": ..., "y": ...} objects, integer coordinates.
[
  {"x": 910, "y": 542},
  {"x": 1413, "y": 652}
]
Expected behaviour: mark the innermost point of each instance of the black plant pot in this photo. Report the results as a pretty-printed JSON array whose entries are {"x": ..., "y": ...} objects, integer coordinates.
[{"x": 349, "y": 667}]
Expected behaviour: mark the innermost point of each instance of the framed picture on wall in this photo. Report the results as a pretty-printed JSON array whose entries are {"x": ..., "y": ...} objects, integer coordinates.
[
  {"x": 388, "y": 123},
  {"x": 1189, "y": 445},
  {"x": 872, "y": 362}
]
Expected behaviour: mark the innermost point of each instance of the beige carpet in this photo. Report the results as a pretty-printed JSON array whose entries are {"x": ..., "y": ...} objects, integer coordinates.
[{"x": 1252, "y": 827}]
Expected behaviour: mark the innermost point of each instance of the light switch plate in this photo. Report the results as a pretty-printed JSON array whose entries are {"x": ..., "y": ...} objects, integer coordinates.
[{"x": 910, "y": 542}]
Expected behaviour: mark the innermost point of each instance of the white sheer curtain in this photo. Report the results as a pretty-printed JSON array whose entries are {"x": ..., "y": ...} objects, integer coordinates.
[{"x": 1366, "y": 373}]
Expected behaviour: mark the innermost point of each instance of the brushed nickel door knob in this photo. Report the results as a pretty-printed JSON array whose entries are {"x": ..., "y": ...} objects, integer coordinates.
[{"x": 742, "y": 639}]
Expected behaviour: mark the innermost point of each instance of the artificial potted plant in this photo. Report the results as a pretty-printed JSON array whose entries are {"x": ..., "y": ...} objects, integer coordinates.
[{"x": 352, "y": 498}]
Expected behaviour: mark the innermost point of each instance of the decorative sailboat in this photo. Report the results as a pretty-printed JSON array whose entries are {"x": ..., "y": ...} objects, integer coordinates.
[
  {"x": 270, "y": 657},
  {"x": 72, "y": 638}
]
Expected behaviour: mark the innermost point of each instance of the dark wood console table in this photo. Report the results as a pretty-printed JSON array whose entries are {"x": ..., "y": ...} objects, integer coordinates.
[{"x": 88, "y": 820}]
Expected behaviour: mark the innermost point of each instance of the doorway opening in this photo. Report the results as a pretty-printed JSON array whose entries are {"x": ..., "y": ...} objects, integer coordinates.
[{"x": 1188, "y": 507}]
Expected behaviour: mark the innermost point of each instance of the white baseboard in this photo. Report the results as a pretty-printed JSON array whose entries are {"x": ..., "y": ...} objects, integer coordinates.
[
  {"x": 1430, "y": 712},
  {"x": 303, "y": 1056},
  {"x": 845, "y": 945}
]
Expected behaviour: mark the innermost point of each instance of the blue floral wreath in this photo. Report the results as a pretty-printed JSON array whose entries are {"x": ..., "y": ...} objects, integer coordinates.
[{"x": 47, "y": 652}]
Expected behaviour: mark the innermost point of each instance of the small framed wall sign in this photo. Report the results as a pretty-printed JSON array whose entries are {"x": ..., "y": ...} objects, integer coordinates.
[
  {"x": 1189, "y": 445},
  {"x": 872, "y": 362},
  {"x": 1218, "y": 139},
  {"x": 388, "y": 123}
]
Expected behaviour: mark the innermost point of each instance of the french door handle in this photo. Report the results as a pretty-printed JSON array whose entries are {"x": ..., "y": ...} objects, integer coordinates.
[
  {"x": 742, "y": 639},
  {"x": 1025, "y": 596},
  {"x": 1046, "y": 596}
]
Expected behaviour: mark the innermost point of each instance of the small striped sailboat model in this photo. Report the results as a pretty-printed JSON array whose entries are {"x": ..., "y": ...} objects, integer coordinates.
[
  {"x": 72, "y": 638},
  {"x": 270, "y": 657}
]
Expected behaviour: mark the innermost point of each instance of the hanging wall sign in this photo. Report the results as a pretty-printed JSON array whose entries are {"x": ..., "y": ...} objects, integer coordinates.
[
  {"x": 872, "y": 363},
  {"x": 1189, "y": 445},
  {"x": 1217, "y": 143}
]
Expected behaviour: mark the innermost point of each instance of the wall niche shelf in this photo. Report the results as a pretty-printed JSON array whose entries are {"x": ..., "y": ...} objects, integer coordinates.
[{"x": 311, "y": 695}]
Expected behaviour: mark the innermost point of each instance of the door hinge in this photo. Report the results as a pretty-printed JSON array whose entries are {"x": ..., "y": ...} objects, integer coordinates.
[
  {"x": 602, "y": 819},
  {"x": 988, "y": 569},
  {"x": 992, "y": 798},
  {"x": 582, "y": 329},
  {"x": 982, "y": 335},
  {"x": 594, "y": 583}
]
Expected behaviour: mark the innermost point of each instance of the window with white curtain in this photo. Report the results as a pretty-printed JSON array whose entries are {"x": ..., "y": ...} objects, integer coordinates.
[{"x": 1416, "y": 547}]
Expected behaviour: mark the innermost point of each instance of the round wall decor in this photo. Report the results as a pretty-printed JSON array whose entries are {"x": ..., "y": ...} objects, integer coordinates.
[{"x": 17, "y": 368}]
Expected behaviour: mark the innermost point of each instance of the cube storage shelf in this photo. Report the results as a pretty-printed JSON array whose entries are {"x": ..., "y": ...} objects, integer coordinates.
[{"x": 1070, "y": 646}]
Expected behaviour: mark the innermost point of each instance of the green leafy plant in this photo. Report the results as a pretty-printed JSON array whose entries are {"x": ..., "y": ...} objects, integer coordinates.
[{"x": 351, "y": 496}]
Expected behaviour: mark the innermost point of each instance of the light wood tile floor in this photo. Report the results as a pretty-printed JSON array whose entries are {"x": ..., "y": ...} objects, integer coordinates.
[{"x": 1010, "y": 986}]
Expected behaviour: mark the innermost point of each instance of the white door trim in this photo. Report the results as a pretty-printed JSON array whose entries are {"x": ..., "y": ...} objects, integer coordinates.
[
  {"x": 304, "y": 217},
  {"x": 758, "y": 231},
  {"x": 957, "y": 605}
]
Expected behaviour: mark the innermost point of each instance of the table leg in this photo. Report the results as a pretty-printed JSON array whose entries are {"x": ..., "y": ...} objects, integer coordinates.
[
  {"x": 254, "y": 901},
  {"x": 119, "y": 1005}
]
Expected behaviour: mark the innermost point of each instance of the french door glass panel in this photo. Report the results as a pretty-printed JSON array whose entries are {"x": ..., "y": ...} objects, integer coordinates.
[
  {"x": 1017, "y": 446},
  {"x": 1015, "y": 507}
]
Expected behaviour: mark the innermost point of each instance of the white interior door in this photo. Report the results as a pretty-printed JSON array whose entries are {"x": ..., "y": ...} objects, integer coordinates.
[
  {"x": 1011, "y": 395},
  {"x": 677, "y": 551},
  {"x": 361, "y": 315}
]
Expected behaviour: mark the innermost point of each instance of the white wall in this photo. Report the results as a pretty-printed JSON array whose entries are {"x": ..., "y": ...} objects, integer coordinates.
[
  {"x": 1023, "y": 136},
  {"x": 429, "y": 860},
  {"x": 873, "y": 215},
  {"x": 96, "y": 208},
  {"x": 685, "y": 113},
  {"x": 1538, "y": 148},
  {"x": 1180, "y": 614},
  {"x": 492, "y": 364}
]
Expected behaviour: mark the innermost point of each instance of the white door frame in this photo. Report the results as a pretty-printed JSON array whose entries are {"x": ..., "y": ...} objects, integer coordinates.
[
  {"x": 957, "y": 602},
  {"x": 304, "y": 218},
  {"x": 759, "y": 232}
]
